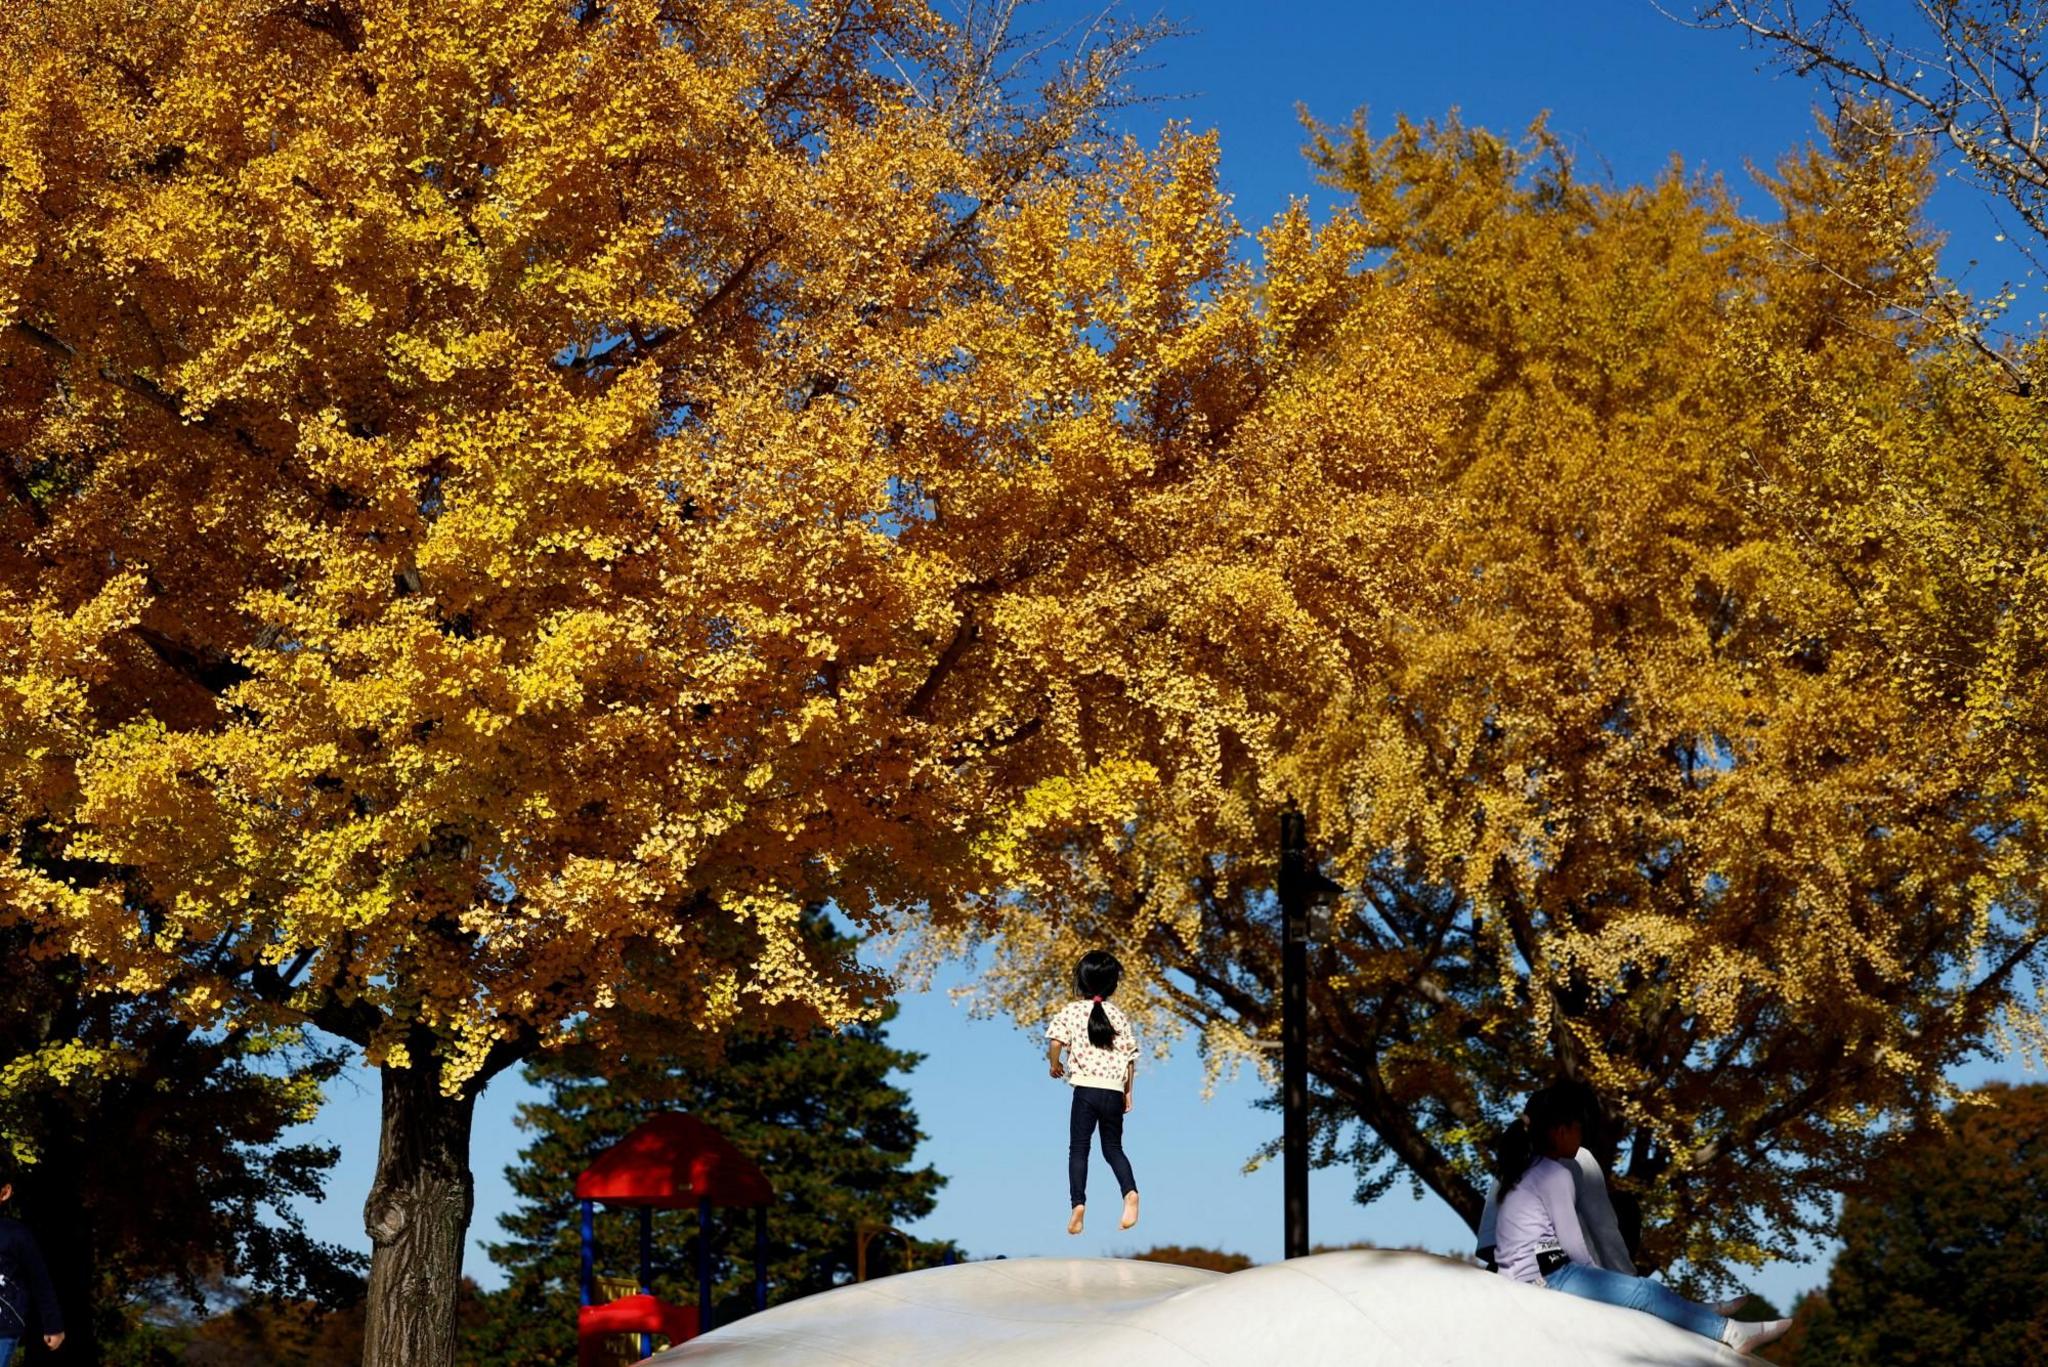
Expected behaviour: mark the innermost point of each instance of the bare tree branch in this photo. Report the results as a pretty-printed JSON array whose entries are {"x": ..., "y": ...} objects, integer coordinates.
[{"x": 1979, "y": 88}]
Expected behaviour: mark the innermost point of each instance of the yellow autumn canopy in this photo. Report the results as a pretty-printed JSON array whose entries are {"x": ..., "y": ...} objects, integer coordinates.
[
  {"x": 508, "y": 503},
  {"x": 501, "y": 494},
  {"x": 1669, "y": 701}
]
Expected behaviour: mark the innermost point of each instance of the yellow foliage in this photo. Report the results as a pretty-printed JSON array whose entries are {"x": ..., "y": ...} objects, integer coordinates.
[
  {"x": 1643, "y": 601},
  {"x": 506, "y": 508},
  {"x": 506, "y": 505}
]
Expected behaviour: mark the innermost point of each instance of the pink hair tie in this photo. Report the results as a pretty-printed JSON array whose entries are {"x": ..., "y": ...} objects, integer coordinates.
[{"x": 1096, "y": 1000}]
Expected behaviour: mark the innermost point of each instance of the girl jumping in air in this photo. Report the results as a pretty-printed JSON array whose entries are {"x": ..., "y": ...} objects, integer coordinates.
[
  {"x": 1541, "y": 1241},
  {"x": 1105, "y": 1060}
]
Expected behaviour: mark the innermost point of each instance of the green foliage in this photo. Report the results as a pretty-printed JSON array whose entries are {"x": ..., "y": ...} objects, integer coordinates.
[
  {"x": 1945, "y": 1251},
  {"x": 1758, "y": 1309},
  {"x": 1208, "y": 1259},
  {"x": 151, "y": 1153},
  {"x": 819, "y": 1115},
  {"x": 235, "y": 1329},
  {"x": 1808, "y": 1317}
]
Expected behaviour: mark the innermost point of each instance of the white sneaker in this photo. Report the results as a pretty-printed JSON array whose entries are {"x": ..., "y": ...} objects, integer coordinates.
[
  {"x": 1731, "y": 1307},
  {"x": 1747, "y": 1338}
]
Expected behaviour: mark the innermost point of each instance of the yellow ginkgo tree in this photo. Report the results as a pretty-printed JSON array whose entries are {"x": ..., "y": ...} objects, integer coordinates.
[
  {"x": 1670, "y": 704},
  {"x": 509, "y": 502}
]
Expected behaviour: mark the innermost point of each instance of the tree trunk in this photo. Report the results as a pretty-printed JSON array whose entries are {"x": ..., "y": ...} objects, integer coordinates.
[{"x": 418, "y": 1219}]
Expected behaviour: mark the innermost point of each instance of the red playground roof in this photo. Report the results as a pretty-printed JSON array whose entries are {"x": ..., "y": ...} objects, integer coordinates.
[{"x": 672, "y": 1162}]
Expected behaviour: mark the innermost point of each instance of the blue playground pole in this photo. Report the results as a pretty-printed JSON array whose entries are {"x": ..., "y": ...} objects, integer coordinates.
[
  {"x": 646, "y": 1270},
  {"x": 587, "y": 1281},
  {"x": 704, "y": 1265},
  {"x": 760, "y": 1258}
]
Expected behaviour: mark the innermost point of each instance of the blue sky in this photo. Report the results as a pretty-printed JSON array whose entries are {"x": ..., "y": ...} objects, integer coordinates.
[{"x": 1628, "y": 89}]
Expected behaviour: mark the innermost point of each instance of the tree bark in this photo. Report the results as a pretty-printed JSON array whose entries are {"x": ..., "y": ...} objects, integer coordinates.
[{"x": 417, "y": 1218}]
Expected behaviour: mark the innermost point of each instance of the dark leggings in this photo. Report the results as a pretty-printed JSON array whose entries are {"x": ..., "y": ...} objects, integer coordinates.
[{"x": 1096, "y": 1106}]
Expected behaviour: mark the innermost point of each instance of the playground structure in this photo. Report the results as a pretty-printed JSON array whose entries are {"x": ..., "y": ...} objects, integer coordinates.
[
  {"x": 671, "y": 1162},
  {"x": 1360, "y": 1308},
  {"x": 865, "y": 1236}
]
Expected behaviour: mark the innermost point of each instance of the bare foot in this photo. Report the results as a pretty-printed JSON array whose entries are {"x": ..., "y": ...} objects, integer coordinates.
[
  {"x": 1130, "y": 1211},
  {"x": 1074, "y": 1225}
]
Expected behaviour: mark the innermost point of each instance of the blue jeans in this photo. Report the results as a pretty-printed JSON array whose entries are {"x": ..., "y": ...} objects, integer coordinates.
[
  {"x": 1590, "y": 1283},
  {"x": 1095, "y": 1106},
  {"x": 7, "y": 1351}
]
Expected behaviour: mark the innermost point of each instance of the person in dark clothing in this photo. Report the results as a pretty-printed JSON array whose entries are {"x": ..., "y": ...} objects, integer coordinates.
[{"x": 27, "y": 1300}]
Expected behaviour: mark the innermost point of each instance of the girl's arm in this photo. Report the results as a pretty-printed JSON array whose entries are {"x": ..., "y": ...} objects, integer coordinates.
[
  {"x": 1559, "y": 1195},
  {"x": 1127, "y": 1044},
  {"x": 1054, "y": 1028}
]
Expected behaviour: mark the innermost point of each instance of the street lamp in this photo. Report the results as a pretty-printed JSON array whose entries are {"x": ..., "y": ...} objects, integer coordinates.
[{"x": 1299, "y": 884}]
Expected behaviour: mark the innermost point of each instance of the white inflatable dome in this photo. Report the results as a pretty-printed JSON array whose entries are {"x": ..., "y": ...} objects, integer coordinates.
[{"x": 1358, "y": 1309}]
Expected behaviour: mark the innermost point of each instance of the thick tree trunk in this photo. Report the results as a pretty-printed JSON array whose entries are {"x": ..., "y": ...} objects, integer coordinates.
[{"x": 417, "y": 1218}]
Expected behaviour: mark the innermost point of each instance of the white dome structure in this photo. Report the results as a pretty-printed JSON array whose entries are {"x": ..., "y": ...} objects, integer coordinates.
[{"x": 1357, "y": 1309}]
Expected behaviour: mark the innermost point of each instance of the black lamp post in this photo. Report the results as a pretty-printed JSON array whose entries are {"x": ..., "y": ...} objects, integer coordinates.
[{"x": 1299, "y": 884}]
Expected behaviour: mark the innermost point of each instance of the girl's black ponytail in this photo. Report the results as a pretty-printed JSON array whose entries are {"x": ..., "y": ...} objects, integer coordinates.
[
  {"x": 1096, "y": 976},
  {"x": 1514, "y": 1152},
  {"x": 1101, "y": 1033}
]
